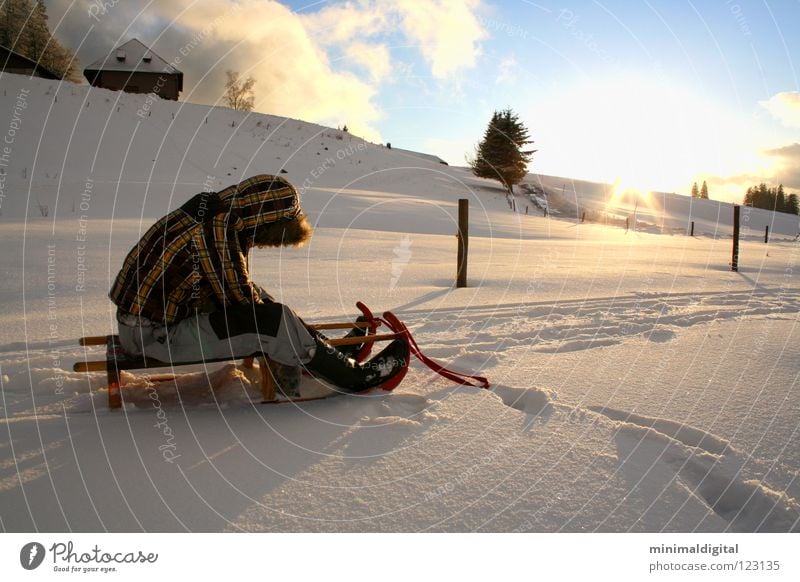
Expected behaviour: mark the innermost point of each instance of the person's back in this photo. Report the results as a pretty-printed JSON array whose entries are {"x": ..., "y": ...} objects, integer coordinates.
[{"x": 184, "y": 292}]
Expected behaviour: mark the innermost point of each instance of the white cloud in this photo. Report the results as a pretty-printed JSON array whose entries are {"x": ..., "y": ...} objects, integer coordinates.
[
  {"x": 786, "y": 164},
  {"x": 507, "y": 70},
  {"x": 375, "y": 59},
  {"x": 341, "y": 23},
  {"x": 267, "y": 41},
  {"x": 448, "y": 32},
  {"x": 785, "y": 107}
]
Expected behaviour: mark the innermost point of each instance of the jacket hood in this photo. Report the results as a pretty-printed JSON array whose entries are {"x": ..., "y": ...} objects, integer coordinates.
[{"x": 260, "y": 200}]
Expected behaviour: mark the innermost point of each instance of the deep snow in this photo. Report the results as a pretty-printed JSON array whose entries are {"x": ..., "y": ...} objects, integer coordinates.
[{"x": 638, "y": 383}]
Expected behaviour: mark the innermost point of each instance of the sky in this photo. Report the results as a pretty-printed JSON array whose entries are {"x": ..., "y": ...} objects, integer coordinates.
[{"x": 653, "y": 95}]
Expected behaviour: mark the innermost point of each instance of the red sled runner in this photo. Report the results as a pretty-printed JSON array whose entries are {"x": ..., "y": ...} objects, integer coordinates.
[{"x": 117, "y": 359}]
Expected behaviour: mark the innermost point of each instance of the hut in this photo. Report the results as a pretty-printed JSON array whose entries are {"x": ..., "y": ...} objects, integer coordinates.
[{"x": 134, "y": 68}]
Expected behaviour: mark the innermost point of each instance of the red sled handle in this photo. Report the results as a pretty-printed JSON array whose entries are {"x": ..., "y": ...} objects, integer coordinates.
[
  {"x": 365, "y": 350},
  {"x": 363, "y": 354},
  {"x": 392, "y": 322}
]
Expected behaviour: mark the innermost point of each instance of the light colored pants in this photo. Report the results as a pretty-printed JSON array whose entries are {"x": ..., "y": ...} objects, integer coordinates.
[{"x": 193, "y": 340}]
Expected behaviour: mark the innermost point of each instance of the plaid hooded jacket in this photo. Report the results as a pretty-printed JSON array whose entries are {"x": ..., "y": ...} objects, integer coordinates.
[{"x": 199, "y": 251}]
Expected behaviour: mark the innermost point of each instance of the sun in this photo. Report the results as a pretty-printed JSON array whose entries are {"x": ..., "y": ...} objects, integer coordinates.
[{"x": 624, "y": 192}]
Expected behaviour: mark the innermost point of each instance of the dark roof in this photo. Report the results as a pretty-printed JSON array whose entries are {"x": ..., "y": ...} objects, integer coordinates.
[
  {"x": 10, "y": 58},
  {"x": 133, "y": 56}
]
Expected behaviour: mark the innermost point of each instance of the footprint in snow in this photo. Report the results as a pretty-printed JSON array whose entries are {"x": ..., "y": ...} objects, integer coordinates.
[
  {"x": 387, "y": 425},
  {"x": 406, "y": 409},
  {"x": 660, "y": 336},
  {"x": 532, "y": 401},
  {"x": 652, "y": 449}
]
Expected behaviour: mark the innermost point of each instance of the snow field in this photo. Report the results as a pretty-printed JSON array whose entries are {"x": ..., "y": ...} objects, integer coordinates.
[{"x": 638, "y": 384}]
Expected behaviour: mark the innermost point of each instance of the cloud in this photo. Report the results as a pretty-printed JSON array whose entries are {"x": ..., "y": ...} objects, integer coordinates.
[
  {"x": 780, "y": 166},
  {"x": 785, "y": 107},
  {"x": 92, "y": 37},
  {"x": 374, "y": 59},
  {"x": 267, "y": 41},
  {"x": 507, "y": 70},
  {"x": 786, "y": 163},
  {"x": 336, "y": 24},
  {"x": 325, "y": 66},
  {"x": 790, "y": 152},
  {"x": 448, "y": 32}
]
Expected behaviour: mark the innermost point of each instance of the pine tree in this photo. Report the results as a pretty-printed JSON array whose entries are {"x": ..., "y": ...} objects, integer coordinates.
[
  {"x": 762, "y": 197},
  {"x": 63, "y": 62},
  {"x": 792, "y": 204},
  {"x": 37, "y": 32},
  {"x": 695, "y": 191},
  {"x": 238, "y": 92},
  {"x": 24, "y": 29},
  {"x": 500, "y": 156},
  {"x": 780, "y": 200},
  {"x": 704, "y": 190},
  {"x": 13, "y": 16}
]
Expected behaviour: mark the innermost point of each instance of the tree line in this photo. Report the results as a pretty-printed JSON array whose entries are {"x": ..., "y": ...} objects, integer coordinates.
[
  {"x": 762, "y": 196},
  {"x": 24, "y": 30}
]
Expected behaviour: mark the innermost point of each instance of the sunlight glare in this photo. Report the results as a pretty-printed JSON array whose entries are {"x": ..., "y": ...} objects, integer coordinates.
[{"x": 627, "y": 193}]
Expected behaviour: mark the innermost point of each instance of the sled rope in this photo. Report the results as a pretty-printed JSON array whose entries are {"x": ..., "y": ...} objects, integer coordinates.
[{"x": 391, "y": 321}]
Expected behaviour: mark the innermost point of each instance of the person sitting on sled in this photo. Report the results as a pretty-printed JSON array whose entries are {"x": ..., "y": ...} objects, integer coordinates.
[{"x": 184, "y": 293}]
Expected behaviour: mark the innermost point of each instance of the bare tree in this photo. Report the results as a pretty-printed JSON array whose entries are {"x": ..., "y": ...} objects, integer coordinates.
[{"x": 239, "y": 93}]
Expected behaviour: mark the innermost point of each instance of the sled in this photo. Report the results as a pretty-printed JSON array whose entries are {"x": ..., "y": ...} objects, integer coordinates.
[{"x": 116, "y": 360}]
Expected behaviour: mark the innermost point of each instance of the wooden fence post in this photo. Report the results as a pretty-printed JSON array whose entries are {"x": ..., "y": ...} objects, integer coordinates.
[
  {"x": 691, "y": 232},
  {"x": 735, "y": 256},
  {"x": 463, "y": 242},
  {"x": 766, "y": 235}
]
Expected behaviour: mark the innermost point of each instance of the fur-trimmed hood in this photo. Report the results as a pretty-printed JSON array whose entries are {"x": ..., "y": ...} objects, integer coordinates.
[{"x": 255, "y": 205}]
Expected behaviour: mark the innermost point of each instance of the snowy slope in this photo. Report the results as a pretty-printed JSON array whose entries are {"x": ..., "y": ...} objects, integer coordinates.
[
  {"x": 660, "y": 212},
  {"x": 91, "y": 152},
  {"x": 638, "y": 384}
]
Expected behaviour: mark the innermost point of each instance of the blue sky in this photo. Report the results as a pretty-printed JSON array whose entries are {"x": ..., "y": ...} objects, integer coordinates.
[{"x": 650, "y": 94}]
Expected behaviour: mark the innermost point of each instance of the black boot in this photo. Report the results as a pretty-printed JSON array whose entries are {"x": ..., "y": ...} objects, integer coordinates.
[
  {"x": 332, "y": 365},
  {"x": 350, "y": 351}
]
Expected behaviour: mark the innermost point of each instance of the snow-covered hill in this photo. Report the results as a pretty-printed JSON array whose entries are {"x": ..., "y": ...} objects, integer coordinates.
[
  {"x": 83, "y": 151},
  {"x": 638, "y": 383}
]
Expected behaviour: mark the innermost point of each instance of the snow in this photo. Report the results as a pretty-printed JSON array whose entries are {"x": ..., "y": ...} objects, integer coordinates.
[{"x": 637, "y": 383}]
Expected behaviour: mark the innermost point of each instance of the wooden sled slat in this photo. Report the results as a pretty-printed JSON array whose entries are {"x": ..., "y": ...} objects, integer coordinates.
[
  {"x": 351, "y": 341},
  {"x": 116, "y": 361},
  {"x": 301, "y": 399},
  {"x": 101, "y": 340},
  {"x": 93, "y": 340},
  {"x": 344, "y": 325},
  {"x": 90, "y": 367}
]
